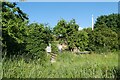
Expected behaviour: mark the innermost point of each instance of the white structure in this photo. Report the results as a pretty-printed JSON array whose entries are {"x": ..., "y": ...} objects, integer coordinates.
[
  {"x": 92, "y": 23},
  {"x": 60, "y": 47},
  {"x": 48, "y": 49}
]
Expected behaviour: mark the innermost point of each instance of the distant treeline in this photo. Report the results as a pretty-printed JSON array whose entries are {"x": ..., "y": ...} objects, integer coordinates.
[{"x": 20, "y": 37}]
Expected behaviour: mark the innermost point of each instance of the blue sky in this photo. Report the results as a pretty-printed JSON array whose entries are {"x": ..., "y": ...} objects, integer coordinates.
[
  {"x": 66, "y": 0},
  {"x": 51, "y": 12}
]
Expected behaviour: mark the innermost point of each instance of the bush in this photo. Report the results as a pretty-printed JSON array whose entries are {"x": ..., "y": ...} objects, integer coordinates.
[
  {"x": 37, "y": 40},
  {"x": 54, "y": 47},
  {"x": 103, "y": 40},
  {"x": 82, "y": 40}
]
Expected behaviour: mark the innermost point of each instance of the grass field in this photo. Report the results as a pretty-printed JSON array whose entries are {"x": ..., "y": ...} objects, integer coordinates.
[{"x": 67, "y": 65}]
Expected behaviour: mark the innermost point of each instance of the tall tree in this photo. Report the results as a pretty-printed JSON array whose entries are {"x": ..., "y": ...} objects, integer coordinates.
[
  {"x": 71, "y": 31},
  {"x": 66, "y": 32},
  {"x": 82, "y": 40},
  {"x": 37, "y": 39},
  {"x": 110, "y": 21},
  {"x": 14, "y": 21},
  {"x": 60, "y": 30},
  {"x": 102, "y": 39}
]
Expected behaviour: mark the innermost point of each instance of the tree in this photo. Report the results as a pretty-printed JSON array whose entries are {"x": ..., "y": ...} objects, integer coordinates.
[
  {"x": 82, "y": 40},
  {"x": 71, "y": 31},
  {"x": 60, "y": 30},
  {"x": 14, "y": 22},
  {"x": 102, "y": 39},
  {"x": 37, "y": 39},
  {"x": 110, "y": 21},
  {"x": 66, "y": 31}
]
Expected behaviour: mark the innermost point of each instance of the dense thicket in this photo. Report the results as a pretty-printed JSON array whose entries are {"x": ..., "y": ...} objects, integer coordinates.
[
  {"x": 14, "y": 22},
  {"x": 68, "y": 33},
  {"x": 102, "y": 40},
  {"x": 104, "y": 37},
  {"x": 19, "y": 37},
  {"x": 37, "y": 39},
  {"x": 110, "y": 21}
]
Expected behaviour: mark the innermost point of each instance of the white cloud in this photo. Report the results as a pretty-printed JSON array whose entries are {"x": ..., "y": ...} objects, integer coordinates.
[{"x": 80, "y": 28}]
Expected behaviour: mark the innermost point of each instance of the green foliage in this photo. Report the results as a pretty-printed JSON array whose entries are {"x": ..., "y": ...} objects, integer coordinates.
[
  {"x": 71, "y": 32},
  {"x": 82, "y": 40},
  {"x": 111, "y": 21},
  {"x": 37, "y": 39},
  {"x": 54, "y": 47},
  {"x": 71, "y": 35},
  {"x": 66, "y": 32},
  {"x": 34, "y": 38},
  {"x": 14, "y": 22},
  {"x": 112, "y": 36},
  {"x": 67, "y": 65},
  {"x": 103, "y": 39},
  {"x": 105, "y": 36},
  {"x": 60, "y": 28},
  {"x": 20, "y": 37}
]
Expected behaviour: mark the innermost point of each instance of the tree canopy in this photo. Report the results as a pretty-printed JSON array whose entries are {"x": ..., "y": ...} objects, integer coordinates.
[
  {"x": 32, "y": 38},
  {"x": 110, "y": 21},
  {"x": 38, "y": 38},
  {"x": 14, "y": 22},
  {"x": 66, "y": 31}
]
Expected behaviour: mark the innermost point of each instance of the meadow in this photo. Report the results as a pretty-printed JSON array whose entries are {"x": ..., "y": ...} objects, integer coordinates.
[
  {"x": 67, "y": 65},
  {"x": 24, "y": 42}
]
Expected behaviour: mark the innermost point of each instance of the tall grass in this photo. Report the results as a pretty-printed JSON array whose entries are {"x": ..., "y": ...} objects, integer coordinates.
[{"x": 67, "y": 65}]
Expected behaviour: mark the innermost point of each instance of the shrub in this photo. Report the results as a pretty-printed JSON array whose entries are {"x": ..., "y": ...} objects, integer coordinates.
[
  {"x": 102, "y": 40},
  {"x": 82, "y": 40},
  {"x": 54, "y": 47}
]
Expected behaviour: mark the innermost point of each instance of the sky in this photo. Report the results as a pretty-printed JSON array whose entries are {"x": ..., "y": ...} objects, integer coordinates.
[
  {"x": 52, "y": 12},
  {"x": 66, "y": 0}
]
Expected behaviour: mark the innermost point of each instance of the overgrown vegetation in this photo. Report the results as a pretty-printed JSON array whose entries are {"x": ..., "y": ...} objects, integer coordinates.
[
  {"x": 102, "y": 40},
  {"x": 68, "y": 65},
  {"x": 24, "y": 44}
]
